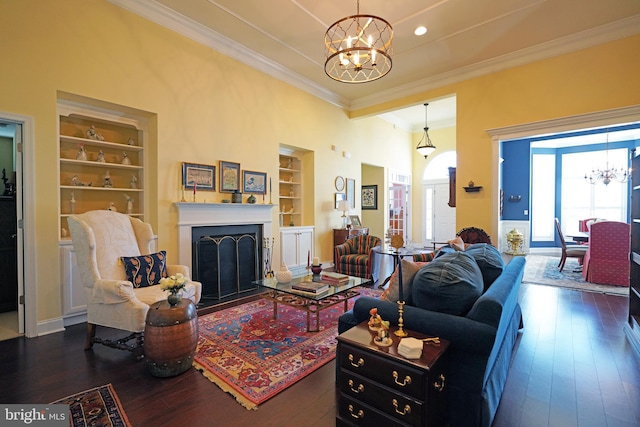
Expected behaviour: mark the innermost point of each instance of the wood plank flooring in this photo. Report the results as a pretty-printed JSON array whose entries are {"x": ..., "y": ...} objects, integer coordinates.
[{"x": 573, "y": 367}]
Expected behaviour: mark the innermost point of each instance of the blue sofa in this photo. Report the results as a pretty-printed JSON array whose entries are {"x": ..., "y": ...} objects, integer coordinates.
[{"x": 482, "y": 342}]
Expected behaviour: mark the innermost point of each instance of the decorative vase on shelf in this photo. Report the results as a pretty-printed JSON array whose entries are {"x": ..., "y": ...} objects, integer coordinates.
[
  {"x": 236, "y": 197},
  {"x": 284, "y": 275},
  {"x": 252, "y": 199}
]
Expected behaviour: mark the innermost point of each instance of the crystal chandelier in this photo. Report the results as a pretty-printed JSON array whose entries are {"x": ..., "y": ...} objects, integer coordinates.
[
  {"x": 607, "y": 174},
  {"x": 427, "y": 147},
  {"x": 358, "y": 48}
]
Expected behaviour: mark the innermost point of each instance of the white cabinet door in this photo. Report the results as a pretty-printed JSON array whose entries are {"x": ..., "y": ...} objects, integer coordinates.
[
  {"x": 296, "y": 247},
  {"x": 74, "y": 301}
]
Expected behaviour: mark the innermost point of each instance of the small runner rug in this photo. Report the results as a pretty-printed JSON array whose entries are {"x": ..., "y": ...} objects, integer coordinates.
[
  {"x": 544, "y": 270},
  {"x": 253, "y": 357},
  {"x": 98, "y": 406}
]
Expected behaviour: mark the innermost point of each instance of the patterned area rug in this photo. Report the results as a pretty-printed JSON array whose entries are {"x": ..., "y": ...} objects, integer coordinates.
[
  {"x": 98, "y": 406},
  {"x": 544, "y": 270},
  {"x": 254, "y": 357}
]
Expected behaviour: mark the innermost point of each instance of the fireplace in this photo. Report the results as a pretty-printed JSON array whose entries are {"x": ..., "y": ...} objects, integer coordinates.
[
  {"x": 226, "y": 259},
  {"x": 222, "y": 244}
]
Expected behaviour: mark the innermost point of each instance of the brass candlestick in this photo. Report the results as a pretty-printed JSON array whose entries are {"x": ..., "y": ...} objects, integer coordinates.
[{"x": 400, "y": 332}]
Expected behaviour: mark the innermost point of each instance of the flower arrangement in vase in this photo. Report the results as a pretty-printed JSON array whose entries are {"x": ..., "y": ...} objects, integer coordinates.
[{"x": 173, "y": 284}]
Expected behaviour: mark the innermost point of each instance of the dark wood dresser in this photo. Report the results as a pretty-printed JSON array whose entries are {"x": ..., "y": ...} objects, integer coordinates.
[
  {"x": 379, "y": 387},
  {"x": 341, "y": 235}
]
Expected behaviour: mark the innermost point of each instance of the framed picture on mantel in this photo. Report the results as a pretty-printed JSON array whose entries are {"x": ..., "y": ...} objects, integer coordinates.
[{"x": 229, "y": 176}]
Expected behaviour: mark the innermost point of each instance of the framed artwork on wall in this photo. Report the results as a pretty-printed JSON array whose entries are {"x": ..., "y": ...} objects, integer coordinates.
[
  {"x": 339, "y": 197},
  {"x": 369, "y": 197},
  {"x": 355, "y": 221},
  {"x": 229, "y": 176},
  {"x": 254, "y": 182},
  {"x": 351, "y": 192},
  {"x": 202, "y": 177}
]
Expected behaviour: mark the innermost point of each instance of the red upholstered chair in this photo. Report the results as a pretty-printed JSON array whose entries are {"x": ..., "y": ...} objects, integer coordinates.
[
  {"x": 355, "y": 256},
  {"x": 470, "y": 235},
  {"x": 583, "y": 224},
  {"x": 607, "y": 259}
]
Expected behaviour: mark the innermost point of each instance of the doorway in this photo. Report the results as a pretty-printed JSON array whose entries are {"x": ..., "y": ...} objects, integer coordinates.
[
  {"x": 438, "y": 219},
  {"x": 11, "y": 325}
]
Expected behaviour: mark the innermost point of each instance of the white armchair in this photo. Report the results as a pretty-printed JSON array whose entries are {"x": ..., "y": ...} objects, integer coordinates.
[{"x": 100, "y": 238}]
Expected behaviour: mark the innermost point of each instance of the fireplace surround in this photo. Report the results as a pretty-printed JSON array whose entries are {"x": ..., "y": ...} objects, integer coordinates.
[{"x": 222, "y": 244}]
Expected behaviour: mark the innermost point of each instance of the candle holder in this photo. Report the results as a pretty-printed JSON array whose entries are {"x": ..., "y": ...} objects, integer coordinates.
[
  {"x": 183, "y": 199},
  {"x": 400, "y": 332},
  {"x": 316, "y": 269}
]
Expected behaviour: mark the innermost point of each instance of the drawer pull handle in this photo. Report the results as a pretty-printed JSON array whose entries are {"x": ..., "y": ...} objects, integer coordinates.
[
  {"x": 356, "y": 365},
  {"x": 406, "y": 381},
  {"x": 358, "y": 414},
  {"x": 360, "y": 388},
  {"x": 407, "y": 408},
  {"x": 439, "y": 383}
]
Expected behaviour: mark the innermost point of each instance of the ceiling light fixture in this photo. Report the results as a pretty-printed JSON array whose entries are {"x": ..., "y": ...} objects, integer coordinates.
[
  {"x": 427, "y": 148},
  {"x": 358, "y": 48},
  {"x": 607, "y": 174},
  {"x": 420, "y": 31}
]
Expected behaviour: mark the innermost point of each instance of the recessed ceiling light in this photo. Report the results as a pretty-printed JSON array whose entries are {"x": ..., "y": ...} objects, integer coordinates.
[{"x": 420, "y": 31}]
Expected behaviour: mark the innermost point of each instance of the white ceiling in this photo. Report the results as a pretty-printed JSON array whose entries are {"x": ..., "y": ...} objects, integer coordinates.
[{"x": 465, "y": 38}]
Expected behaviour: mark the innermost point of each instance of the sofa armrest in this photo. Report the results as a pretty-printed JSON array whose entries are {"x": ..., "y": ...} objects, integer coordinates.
[
  {"x": 175, "y": 269},
  {"x": 465, "y": 334}
]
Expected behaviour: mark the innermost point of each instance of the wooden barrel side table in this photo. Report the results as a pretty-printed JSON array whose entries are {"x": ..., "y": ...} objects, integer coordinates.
[{"x": 170, "y": 337}]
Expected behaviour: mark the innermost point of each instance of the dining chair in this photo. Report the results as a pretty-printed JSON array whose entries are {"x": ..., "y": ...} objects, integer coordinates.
[{"x": 572, "y": 251}]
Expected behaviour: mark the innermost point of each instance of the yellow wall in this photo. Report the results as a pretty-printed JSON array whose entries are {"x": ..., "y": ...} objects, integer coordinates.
[
  {"x": 206, "y": 108},
  {"x": 375, "y": 219}
]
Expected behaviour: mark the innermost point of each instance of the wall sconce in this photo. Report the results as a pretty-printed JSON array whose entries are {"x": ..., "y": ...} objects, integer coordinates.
[{"x": 514, "y": 198}]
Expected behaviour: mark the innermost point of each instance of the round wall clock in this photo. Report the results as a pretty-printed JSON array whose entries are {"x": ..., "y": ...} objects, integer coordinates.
[{"x": 339, "y": 183}]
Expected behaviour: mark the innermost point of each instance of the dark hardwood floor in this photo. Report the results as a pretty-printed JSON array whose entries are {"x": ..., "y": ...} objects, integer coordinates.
[{"x": 573, "y": 367}]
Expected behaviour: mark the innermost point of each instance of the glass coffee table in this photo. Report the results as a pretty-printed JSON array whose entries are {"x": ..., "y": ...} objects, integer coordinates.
[{"x": 283, "y": 293}]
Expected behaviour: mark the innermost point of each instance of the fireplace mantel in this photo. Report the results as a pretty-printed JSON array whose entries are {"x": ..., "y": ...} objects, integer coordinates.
[{"x": 212, "y": 214}]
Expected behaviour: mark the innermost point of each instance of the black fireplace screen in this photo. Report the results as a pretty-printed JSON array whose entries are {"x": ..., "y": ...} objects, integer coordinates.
[{"x": 227, "y": 259}]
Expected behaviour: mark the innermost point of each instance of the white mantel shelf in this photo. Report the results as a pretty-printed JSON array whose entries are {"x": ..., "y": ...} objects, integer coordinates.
[{"x": 195, "y": 214}]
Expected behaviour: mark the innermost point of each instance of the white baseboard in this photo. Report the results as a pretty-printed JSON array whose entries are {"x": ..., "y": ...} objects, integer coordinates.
[{"x": 50, "y": 326}]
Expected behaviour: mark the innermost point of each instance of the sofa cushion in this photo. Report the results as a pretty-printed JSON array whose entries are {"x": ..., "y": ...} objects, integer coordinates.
[
  {"x": 489, "y": 260},
  {"x": 449, "y": 284},
  {"x": 409, "y": 269},
  {"x": 145, "y": 270}
]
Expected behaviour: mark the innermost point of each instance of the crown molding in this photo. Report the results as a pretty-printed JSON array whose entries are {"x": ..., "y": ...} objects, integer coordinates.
[{"x": 197, "y": 32}]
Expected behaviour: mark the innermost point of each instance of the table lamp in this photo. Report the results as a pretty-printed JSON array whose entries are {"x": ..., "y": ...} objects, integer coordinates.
[{"x": 343, "y": 205}]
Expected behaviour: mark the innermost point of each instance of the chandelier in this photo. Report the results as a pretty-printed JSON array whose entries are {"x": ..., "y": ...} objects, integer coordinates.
[
  {"x": 358, "y": 48},
  {"x": 607, "y": 174},
  {"x": 427, "y": 147}
]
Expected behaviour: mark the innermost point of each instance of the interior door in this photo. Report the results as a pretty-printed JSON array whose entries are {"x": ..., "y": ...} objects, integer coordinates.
[{"x": 439, "y": 217}]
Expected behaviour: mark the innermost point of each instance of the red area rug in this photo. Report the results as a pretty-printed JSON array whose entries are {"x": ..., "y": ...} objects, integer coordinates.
[
  {"x": 98, "y": 406},
  {"x": 254, "y": 357}
]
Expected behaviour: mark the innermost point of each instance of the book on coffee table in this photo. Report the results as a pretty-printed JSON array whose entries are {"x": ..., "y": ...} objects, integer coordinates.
[
  {"x": 334, "y": 278},
  {"x": 311, "y": 287}
]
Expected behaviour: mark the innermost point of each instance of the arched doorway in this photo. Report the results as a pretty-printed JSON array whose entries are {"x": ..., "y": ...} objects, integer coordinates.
[{"x": 438, "y": 218}]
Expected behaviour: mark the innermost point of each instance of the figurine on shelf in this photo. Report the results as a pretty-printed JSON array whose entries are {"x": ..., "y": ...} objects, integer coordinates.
[
  {"x": 75, "y": 181},
  {"x": 100, "y": 158},
  {"x": 112, "y": 207},
  {"x": 72, "y": 203},
  {"x": 134, "y": 182},
  {"x": 99, "y": 137},
  {"x": 131, "y": 141},
  {"x": 375, "y": 321},
  {"x": 129, "y": 204},
  {"x": 91, "y": 132},
  {"x": 107, "y": 180},
  {"x": 82, "y": 154},
  {"x": 125, "y": 159},
  {"x": 63, "y": 232}
]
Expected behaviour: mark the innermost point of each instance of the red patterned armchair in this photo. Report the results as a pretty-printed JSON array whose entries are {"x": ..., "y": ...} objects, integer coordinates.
[
  {"x": 607, "y": 259},
  {"x": 355, "y": 256},
  {"x": 584, "y": 224}
]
